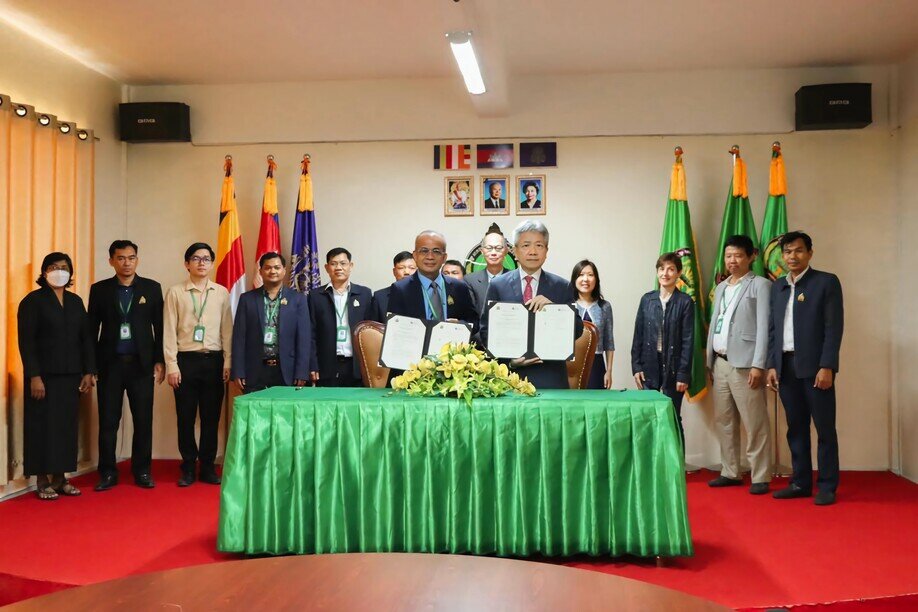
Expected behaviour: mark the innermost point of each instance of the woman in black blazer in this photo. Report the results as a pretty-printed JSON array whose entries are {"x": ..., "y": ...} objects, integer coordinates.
[{"x": 58, "y": 364}]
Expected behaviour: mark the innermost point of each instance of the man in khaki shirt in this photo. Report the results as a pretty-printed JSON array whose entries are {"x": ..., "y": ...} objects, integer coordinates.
[{"x": 197, "y": 341}]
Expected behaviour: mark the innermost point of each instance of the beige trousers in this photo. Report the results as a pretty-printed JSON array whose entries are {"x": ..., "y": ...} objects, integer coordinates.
[{"x": 734, "y": 401}]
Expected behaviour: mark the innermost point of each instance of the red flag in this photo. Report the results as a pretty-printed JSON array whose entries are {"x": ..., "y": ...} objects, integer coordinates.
[{"x": 269, "y": 233}]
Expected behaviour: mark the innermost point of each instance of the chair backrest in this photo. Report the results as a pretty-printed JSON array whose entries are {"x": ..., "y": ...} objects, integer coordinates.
[
  {"x": 578, "y": 369},
  {"x": 368, "y": 336}
]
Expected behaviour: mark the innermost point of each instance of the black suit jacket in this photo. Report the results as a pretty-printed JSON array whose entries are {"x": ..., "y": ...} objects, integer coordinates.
[
  {"x": 501, "y": 203},
  {"x": 145, "y": 317},
  {"x": 407, "y": 298},
  {"x": 381, "y": 304},
  {"x": 325, "y": 323},
  {"x": 294, "y": 340},
  {"x": 819, "y": 320},
  {"x": 508, "y": 288},
  {"x": 479, "y": 282}
]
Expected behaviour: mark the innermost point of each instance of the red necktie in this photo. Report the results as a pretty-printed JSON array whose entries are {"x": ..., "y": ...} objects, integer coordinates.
[{"x": 527, "y": 292}]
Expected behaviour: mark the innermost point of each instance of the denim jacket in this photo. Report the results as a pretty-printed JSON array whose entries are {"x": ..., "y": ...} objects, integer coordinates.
[{"x": 678, "y": 340}]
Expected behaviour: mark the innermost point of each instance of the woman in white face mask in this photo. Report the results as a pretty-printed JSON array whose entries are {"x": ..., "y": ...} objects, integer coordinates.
[{"x": 59, "y": 363}]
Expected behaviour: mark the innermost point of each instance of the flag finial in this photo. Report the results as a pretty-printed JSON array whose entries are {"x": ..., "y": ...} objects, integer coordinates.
[
  {"x": 734, "y": 150},
  {"x": 228, "y": 165},
  {"x": 678, "y": 153},
  {"x": 305, "y": 163},
  {"x": 776, "y": 147},
  {"x": 271, "y": 166}
]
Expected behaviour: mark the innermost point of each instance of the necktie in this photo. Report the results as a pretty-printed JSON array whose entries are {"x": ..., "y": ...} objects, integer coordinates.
[
  {"x": 527, "y": 292},
  {"x": 436, "y": 304}
]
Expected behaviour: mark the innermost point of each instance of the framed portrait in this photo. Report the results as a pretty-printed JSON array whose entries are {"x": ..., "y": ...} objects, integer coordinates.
[
  {"x": 495, "y": 194},
  {"x": 531, "y": 198},
  {"x": 457, "y": 198}
]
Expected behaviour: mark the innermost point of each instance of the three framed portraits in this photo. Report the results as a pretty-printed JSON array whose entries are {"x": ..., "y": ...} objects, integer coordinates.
[{"x": 495, "y": 195}]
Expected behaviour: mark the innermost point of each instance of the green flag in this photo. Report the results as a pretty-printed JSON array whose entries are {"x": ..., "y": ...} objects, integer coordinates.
[
  {"x": 737, "y": 220},
  {"x": 679, "y": 238},
  {"x": 775, "y": 223}
]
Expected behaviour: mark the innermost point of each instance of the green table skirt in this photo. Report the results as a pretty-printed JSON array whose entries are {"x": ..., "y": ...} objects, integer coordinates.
[{"x": 360, "y": 470}]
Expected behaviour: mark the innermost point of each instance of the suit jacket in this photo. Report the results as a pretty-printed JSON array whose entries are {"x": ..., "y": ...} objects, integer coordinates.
[
  {"x": 508, "y": 288},
  {"x": 325, "y": 323},
  {"x": 381, "y": 304},
  {"x": 747, "y": 335},
  {"x": 54, "y": 339},
  {"x": 525, "y": 205},
  {"x": 501, "y": 203},
  {"x": 478, "y": 281},
  {"x": 678, "y": 340},
  {"x": 819, "y": 320},
  {"x": 407, "y": 298},
  {"x": 294, "y": 335},
  {"x": 145, "y": 317}
]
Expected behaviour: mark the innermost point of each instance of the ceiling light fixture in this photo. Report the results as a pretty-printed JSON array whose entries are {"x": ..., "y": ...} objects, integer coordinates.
[{"x": 461, "y": 44}]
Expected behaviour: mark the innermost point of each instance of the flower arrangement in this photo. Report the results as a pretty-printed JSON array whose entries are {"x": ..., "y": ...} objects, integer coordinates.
[{"x": 463, "y": 371}]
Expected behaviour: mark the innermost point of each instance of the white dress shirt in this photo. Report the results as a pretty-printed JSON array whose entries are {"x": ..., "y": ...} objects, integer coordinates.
[
  {"x": 342, "y": 348},
  {"x": 788, "y": 346},
  {"x": 534, "y": 284},
  {"x": 726, "y": 309}
]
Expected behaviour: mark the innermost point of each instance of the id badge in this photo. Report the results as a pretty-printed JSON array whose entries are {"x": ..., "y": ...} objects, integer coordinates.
[
  {"x": 342, "y": 333},
  {"x": 124, "y": 332},
  {"x": 718, "y": 325},
  {"x": 198, "y": 333},
  {"x": 270, "y": 335}
]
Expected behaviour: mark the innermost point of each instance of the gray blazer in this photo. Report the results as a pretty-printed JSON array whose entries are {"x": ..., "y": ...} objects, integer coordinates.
[
  {"x": 747, "y": 340},
  {"x": 478, "y": 281}
]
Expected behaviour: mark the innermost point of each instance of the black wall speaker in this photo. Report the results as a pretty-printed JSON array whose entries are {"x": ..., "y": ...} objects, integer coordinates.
[
  {"x": 155, "y": 122},
  {"x": 838, "y": 106}
]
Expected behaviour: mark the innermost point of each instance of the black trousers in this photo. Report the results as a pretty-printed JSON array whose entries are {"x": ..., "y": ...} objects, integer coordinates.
[
  {"x": 804, "y": 402},
  {"x": 202, "y": 389},
  {"x": 268, "y": 376},
  {"x": 122, "y": 375},
  {"x": 344, "y": 375},
  {"x": 670, "y": 392}
]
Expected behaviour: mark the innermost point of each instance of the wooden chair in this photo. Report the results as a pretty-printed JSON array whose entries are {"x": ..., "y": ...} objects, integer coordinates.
[
  {"x": 368, "y": 336},
  {"x": 578, "y": 370}
]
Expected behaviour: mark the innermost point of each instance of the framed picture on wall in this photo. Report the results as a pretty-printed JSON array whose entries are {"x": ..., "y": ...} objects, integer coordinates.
[
  {"x": 531, "y": 196},
  {"x": 495, "y": 191},
  {"x": 457, "y": 200}
]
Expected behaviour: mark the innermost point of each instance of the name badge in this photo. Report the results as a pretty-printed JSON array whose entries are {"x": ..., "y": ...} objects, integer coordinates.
[
  {"x": 718, "y": 325},
  {"x": 342, "y": 333},
  {"x": 270, "y": 335},
  {"x": 124, "y": 332},
  {"x": 198, "y": 333}
]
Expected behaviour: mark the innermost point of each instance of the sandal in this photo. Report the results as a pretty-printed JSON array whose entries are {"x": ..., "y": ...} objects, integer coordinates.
[
  {"x": 68, "y": 489},
  {"x": 46, "y": 492}
]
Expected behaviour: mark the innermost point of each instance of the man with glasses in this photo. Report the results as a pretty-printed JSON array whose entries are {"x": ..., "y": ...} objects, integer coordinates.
[
  {"x": 126, "y": 319},
  {"x": 336, "y": 309},
  {"x": 197, "y": 342},
  {"x": 402, "y": 265},
  {"x": 494, "y": 249},
  {"x": 534, "y": 288}
]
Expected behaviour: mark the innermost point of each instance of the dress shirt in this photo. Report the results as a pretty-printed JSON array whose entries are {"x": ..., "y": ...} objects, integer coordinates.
[
  {"x": 664, "y": 301},
  {"x": 788, "y": 346},
  {"x": 272, "y": 308},
  {"x": 535, "y": 281},
  {"x": 343, "y": 348},
  {"x": 441, "y": 287},
  {"x": 125, "y": 298},
  {"x": 179, "y": 321},
  {"x": 725, "y": 311}
]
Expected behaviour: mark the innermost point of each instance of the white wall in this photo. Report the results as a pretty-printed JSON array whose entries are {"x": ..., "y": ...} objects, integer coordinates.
[{"x": 606, "y": 197}]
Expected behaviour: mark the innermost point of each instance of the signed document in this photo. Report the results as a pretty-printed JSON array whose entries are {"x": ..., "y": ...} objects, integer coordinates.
[
  {"x": 403, "y": 342},
  {"x": 508, "y": 330},
  {"x": 445, "y": 332},
  {"x": 514, "y": 331},
  {"x": 554, "y": 332}
]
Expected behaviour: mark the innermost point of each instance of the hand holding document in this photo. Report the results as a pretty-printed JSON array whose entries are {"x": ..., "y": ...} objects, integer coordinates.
[
  {"x": 515, "y": 332},
  {"x": 407, "y": 339},
  {"x": 508, "y": 330}
]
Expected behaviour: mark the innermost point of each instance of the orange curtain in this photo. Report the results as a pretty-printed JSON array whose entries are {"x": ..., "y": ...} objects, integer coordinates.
[{"x": 47, "y": 206}]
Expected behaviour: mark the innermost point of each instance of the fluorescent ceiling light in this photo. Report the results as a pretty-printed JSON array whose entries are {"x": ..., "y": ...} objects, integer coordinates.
[{"x": 461, "y": 44}]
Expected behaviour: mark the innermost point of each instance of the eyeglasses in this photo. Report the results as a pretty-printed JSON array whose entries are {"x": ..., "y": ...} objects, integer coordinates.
[
  {"x": 492, "y": 249},
  {"x": 203, "y": 260},
  {"x": 435, "y": 252}
]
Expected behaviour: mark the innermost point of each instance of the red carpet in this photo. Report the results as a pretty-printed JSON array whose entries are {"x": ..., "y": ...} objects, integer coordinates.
[{"x": 750, "y": 551}]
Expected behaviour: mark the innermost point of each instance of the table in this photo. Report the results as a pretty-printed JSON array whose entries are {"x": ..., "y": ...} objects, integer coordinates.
[
  {"x": 322, "y": 470},
  {"x": 370, "y": 582}
]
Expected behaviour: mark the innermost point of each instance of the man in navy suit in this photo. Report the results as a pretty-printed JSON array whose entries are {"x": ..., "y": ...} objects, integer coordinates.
[
  {"x": 402, "y": 265},
  {"x": 336, "y": 309},
  {"x": 272, "y": 336},
  {"x": 428, "y": 294},
  {"x": 533, "y": 287},
  {"x": 805, "y": 333}
]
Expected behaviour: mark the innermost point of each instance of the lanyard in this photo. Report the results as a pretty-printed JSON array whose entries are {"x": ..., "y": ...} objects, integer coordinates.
[
  {"x": 724, "y": 305},
  {"x": 130, "y": 304},
  {"x": 427, "y": 299},
  {"x": 340, "y": 313},
  {"x": 271, "y": 307},
  {"x": 198, "y": 313}
]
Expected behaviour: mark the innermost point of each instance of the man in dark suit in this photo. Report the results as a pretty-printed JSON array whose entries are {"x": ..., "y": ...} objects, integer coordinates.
[
  {"x": 402, "y": 265},
  {"x": 805, "y": 333},
  {"x": 336, "y": 309},
  {"x": 533, "y": 287},
  {"x": 126, "y": 318},
  {"x": 495, "y": 202},
  {"x": 494, "y": 248},
  {"x": 272, "y": 333},
  {"x": 428, "y": 294}
]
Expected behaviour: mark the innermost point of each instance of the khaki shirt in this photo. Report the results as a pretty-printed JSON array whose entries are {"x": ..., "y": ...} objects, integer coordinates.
[{"x": 179, "y": 321}]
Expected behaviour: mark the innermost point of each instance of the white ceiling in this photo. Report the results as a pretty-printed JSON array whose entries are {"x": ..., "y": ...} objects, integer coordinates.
[{"x": 232, "y": 41}]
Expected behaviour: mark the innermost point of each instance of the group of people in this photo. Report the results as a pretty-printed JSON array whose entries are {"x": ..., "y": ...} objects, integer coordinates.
[{"x": 131, "y": 337}]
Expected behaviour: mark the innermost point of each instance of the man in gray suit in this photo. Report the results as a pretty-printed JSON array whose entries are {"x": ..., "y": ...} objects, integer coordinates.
[
  {"x": 494, "y": 248},
  {"x": 736, "y": 357}
]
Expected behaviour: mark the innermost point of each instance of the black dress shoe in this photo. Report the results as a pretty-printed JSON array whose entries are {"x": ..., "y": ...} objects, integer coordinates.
[
  {"x": 723, "y": 481},
  {"x": 144, "y": 481},
  {"x": 792, "y": 491},
  {"x": 758, "y": 488},
  {"x": 209, "y": 475},
  {"x": 824, "y": 498},
  {"x": 186, "y": 480},
  {"x": 106, "y": 482}
]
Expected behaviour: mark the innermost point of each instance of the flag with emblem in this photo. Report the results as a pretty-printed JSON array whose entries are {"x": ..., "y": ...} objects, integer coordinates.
[
  {"x": 679, "y": 238},
  {"x": 775, "y": 223},
  {"x": 304, "y": 259},
  {"x": 269, "y": 232},
  {"x": 230, "y": 260}
]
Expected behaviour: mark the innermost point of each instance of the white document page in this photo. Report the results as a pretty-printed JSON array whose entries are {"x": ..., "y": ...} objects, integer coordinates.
[
  {"x": 445, "y": 332},
  {"x": 403, "y": 342},
  {"x": 508, "y": 330},
  {"x": 554, "y": 332}
]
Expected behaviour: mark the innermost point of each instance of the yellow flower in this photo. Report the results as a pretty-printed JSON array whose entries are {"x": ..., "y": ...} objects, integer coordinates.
[
  {"x": 411, "y": 375},
  {"x": 502, "y": 370},
  {"x": 483, "y": 367},
  {"x": 399, "y": 383},
  {"x": 459, "y": 362},
  {"x": 473, "y": 358},
  {"x": 513, "y": 379},
  {"x": 426, "y": 365}
]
